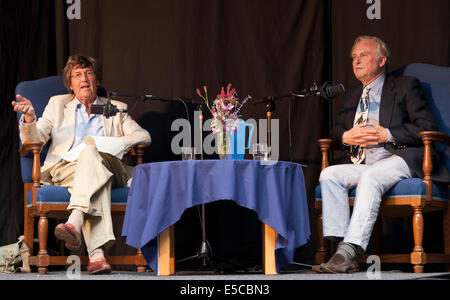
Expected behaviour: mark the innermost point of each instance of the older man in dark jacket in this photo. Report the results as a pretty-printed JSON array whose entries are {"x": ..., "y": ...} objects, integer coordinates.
[{"x": 378, "y": 125}]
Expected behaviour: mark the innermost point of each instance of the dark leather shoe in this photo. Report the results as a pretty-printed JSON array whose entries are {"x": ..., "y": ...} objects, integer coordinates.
[
  {"x": 68, "y": 234},
  {"x": 99, "y": 266},
  {"x": 338, "y": 264}
]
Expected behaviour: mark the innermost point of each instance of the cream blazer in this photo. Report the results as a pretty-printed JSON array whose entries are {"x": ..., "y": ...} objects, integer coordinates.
[{"x": 58, "y": 124}]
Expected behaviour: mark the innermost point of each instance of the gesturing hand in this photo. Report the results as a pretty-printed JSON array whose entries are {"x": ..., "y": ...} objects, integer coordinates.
[{"x": 25, "y": 107}]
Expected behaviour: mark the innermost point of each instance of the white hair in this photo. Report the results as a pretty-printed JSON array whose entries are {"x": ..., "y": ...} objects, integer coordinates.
[{"x": 383, "y": 48}]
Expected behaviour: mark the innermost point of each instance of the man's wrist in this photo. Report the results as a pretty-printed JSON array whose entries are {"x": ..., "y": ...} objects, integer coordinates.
[
  {"x": 390, "y": 137},
  {"x": 24, "y": 119},
  {"x": 344, "y": 140}
]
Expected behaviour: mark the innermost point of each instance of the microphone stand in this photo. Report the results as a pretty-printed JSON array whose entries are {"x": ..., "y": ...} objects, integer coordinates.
[
  {"x": 270, "y": 107},
  {"x": 151, "y": 97},
  {"x": 200, "y": 128},
  {"x": 205, "y": 253},
  {"x": 182, "y": 100},
  {"x": 205, "y": 248}
]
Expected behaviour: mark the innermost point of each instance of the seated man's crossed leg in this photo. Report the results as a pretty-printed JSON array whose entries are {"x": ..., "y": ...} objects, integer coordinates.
[
  {"x": 89, "y": 180},
  {"x": 371, "y": 182}
]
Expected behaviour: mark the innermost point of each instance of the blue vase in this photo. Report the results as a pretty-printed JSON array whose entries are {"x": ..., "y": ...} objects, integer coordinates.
[
  {"x": 238, "y": 140},
  {"x": 233, "y": 146}
]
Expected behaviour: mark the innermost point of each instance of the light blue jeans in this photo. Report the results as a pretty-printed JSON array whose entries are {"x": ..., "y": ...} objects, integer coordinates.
[{"x": 371, "y": 182}]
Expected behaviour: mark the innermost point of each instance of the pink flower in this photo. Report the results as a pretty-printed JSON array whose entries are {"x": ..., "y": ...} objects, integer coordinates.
[
  {"x": 226, "y": 106},
  {"x": 230, "y": 93}
]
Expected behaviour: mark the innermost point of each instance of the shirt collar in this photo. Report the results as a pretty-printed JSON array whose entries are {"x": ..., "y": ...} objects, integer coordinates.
[
  {"x": 377, "y": 84},
  {"x": 79, "y": 104}
]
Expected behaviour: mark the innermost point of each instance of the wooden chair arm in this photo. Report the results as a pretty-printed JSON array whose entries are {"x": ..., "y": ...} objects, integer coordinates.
[
  {"x": 435, "y": 136},
  {"x": 36, "y": 148},
  {"x": 138, "y": 151},
  {"x": 428, "y": 137},
  {"x": 30, "y": 147},
  {"x": 325, "y": 146}
]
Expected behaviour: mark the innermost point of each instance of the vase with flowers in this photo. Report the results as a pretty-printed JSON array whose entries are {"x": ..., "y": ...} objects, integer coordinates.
[{"x": 225, "y": 110}]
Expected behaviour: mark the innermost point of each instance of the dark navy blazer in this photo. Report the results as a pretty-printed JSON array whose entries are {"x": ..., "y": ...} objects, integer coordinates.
[{"x": 405, "y": 112}]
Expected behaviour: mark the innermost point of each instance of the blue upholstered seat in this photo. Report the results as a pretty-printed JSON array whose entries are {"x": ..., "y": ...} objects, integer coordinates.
[
  {"x": 39, "y": 92},
  {"x": 408, "y": 188},
  {"x": 435, "y": 81},
  {"x": 59, "y": 195}
]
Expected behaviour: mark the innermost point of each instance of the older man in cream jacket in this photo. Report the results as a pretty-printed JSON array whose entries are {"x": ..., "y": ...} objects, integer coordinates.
[{"x": 68, "y": 122}]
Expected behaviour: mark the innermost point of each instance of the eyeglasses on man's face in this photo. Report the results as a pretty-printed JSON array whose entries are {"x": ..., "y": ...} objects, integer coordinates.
[{"x": 79, "y": 74}]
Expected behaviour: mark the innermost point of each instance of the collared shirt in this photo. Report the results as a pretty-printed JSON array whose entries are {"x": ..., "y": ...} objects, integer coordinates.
[
  {"x": 376, "y": 152},
  {"x": 86, "y": 125}
]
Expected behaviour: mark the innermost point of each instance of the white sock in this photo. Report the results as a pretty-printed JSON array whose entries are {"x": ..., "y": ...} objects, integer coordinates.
[
  {"x": 76, "y": 218},
  {"x": 96, "y": 254}
]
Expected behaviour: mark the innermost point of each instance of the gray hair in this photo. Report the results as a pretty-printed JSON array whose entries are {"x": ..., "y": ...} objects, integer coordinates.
[
  {"x": 383, "y": 48},
  {"x": 82, "y": 62}
]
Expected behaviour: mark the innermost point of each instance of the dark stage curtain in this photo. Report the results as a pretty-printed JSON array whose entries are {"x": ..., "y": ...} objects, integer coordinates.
[
  {"x": 32, "y": 45},
  {"x": 169, "y": 48}
]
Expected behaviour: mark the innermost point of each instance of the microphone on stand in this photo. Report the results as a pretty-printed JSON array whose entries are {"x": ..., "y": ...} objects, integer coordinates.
[
  {"x": 110, "y": 110},
  {"x": 107, "y": 110},
  {"x": 328, "y": 91}
]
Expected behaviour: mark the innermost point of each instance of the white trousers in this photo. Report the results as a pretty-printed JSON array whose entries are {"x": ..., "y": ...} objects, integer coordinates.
[
  {"x": 89, "y": 180},
  {"x": 371, "y": 182}
]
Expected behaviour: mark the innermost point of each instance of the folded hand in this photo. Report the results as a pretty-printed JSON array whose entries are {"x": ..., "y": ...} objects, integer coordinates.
[{"x": 365, "y": 135}]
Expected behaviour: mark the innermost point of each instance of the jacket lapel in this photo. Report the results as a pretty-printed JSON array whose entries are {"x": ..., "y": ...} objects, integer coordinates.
[{"x": 387, "y": 102}]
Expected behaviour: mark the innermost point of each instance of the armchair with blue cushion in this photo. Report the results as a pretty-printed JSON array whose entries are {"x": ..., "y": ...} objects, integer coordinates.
[
  {"x": 45, "y": 202},
  {"x": 414, "y": 196}
]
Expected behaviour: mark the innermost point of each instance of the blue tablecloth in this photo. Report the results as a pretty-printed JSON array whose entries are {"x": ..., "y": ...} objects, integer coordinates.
[{"x": 161, "y": 192}]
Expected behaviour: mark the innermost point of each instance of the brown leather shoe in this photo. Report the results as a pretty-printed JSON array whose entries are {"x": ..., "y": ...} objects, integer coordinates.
[
  {"x": 99, "y": 266},
  {"x": 68, "y": 234},
  {"x": 337, "y": 264},
  {"x": 317, "y": 269}
]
